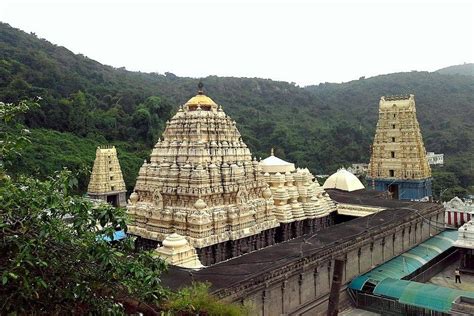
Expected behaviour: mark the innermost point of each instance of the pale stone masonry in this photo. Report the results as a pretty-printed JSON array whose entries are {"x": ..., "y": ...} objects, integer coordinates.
[
  {"x": 301, "y": 204},
  {"x": 177, "y": 251},
  {"x": 398, "y": 162},
  {"x": 106, "y": 182},
  {"x": 202, "y": 183}
]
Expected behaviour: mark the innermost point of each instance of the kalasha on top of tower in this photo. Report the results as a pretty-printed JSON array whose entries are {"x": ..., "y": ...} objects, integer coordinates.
[{"x": 200, "y": 102}]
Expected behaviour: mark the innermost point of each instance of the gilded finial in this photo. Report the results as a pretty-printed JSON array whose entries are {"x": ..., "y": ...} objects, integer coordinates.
[
  {"x": 200, "y": 86},
  {"x": 272, "y": 152}
]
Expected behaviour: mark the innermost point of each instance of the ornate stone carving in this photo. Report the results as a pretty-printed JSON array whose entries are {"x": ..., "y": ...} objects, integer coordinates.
[
  {"x": 201, "y": 181},
  {"x": 398, "y": 141}
]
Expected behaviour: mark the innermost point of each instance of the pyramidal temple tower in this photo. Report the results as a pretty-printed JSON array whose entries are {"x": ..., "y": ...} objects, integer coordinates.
[
  {"x": 398, "y": 162},
  {"x": 106, "y": 182},
  {"x": 202, "y": 183}
]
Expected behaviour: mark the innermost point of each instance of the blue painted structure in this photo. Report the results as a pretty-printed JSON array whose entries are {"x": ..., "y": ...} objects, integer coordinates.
[
  {"x": 408, "y": 189},
  {"x": 118, "y": 235}
]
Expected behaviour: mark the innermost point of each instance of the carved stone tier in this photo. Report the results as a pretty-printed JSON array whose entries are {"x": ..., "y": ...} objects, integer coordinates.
[
  {"x": 299, "y": 199},
  {"x": 106, "y": 182},
  {"x": 398, "y": 163},
  {"x": 296, "y": 193},
  {"x": 177, "y": 251},
  {"x": 201, "y": 182}
]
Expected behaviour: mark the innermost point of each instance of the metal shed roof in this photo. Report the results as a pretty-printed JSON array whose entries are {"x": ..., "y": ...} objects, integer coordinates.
[
  {"x": 423, "y": 295},
  {"x": 406, "y": 263}
]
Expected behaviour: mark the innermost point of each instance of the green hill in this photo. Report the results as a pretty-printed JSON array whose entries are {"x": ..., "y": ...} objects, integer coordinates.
[
  {"x": 464, "y": 69},
  {"x": 321, "y": 127}
]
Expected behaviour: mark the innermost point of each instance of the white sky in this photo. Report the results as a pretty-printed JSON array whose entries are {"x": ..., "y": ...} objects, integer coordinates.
[{"x": 306, "y": 42}]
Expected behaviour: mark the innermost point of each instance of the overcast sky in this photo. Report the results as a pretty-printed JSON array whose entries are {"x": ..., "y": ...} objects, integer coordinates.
[{"x": 296, "y": 41}]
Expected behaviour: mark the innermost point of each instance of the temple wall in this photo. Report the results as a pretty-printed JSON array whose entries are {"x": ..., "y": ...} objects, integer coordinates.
[{"x": 305, "y": 290}]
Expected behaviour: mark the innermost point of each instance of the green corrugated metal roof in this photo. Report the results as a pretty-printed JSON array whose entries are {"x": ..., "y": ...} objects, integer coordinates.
[
  {"x": 408, "y": 262},
  {"x": 391, "y": 288},
  {"x": 423, "y": 295},
  {"x": 387, "y": 276}
]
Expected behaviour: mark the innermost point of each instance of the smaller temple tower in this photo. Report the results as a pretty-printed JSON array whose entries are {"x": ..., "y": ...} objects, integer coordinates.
[
  {"x": 398, "y": 162},
  {"x": 106, "y": 181}
]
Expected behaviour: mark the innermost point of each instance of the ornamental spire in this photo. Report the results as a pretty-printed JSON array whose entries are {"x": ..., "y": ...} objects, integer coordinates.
[{"x": 200, "y": 86}]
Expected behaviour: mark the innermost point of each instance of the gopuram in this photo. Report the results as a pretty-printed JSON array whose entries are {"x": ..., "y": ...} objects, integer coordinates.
[
  {"x": 106, "y": 182},
  {"x": 202, "y": 183},
  {"x": 398, "y": 162}
]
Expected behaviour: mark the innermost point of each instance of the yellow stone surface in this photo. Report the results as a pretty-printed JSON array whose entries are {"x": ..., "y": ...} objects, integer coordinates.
[
  {"x": 106, "y": 174},
  {"x": 201, "y": 181},
  {"x": 398, "y": 151}
]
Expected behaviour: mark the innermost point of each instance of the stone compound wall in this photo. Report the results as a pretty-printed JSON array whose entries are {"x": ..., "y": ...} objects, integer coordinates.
[{"x": 303, "y": 288}]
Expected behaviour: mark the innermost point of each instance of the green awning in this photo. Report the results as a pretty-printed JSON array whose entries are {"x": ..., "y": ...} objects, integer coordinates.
[
  {"x": 406, "y": 263},
  {"x": 429, "y": 296}
]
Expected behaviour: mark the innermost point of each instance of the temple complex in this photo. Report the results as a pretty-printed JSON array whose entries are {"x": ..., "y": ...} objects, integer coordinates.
[
  {"x": 398, "y": 162},
  {"x": 202, "y": 183},
  {"x": 301, "y": 205},
  {"x": 106, "y": 182}
]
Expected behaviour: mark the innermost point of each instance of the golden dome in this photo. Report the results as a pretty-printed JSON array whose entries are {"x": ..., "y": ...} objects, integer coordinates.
[
  {"x": 201, "y": 99},
  {"x": 200, "y": 102}
]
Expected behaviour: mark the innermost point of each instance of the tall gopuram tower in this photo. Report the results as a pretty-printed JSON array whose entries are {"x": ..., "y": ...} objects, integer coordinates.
[
  {"x": 202, "y": 183},
  {"x": 106, "y": 182},
  {"x": 398, "y": 162}
]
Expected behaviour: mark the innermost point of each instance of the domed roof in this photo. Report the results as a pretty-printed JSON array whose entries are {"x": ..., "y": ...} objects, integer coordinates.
[
  {"x": 343, "y": 180},
  {"x": 274, "y": 164},
  {"x": 201, "y": 99}
]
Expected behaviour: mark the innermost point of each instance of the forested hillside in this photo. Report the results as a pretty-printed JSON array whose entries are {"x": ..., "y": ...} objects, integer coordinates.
[
  {"x": 464, "y": 69},
  {"x": 85, "y": 103}
]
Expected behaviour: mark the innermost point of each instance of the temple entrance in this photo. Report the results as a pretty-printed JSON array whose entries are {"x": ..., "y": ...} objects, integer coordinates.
[
  {"x": 393, "y": 190},
  {"x": 113, "y": 199}
]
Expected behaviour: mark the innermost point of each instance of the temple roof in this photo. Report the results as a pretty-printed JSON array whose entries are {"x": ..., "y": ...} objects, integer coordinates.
[
  {"x": 274, "y": 164},
  {"x": 343, "y": 180},
  {"x": 201, "y": 99}
]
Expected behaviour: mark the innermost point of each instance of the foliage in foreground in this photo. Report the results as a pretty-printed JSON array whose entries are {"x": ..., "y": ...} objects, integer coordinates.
[
  {"x": 50, "y": 266},
  {"x": 195, "y": 299}
]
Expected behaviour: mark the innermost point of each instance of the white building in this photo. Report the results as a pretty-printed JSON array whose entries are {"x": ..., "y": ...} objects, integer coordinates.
[{"x": 435, "y": 159}]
